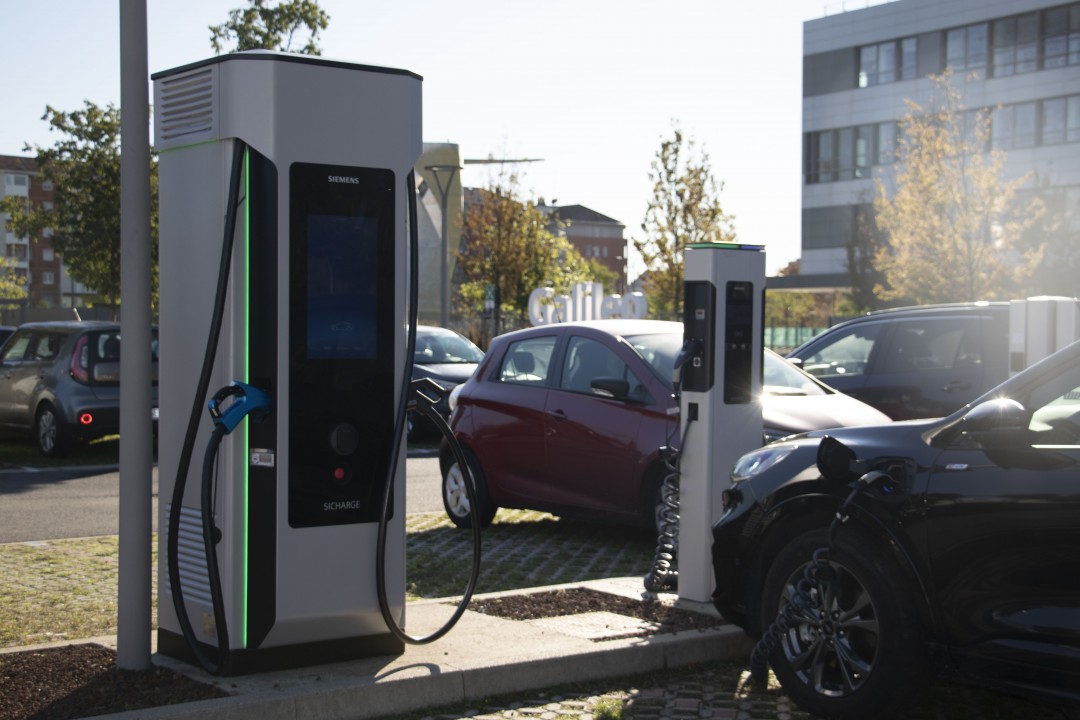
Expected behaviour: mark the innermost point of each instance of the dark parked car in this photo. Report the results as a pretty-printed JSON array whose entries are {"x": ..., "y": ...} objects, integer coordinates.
[
  {"x": 570, "y": 418},
  {"x": 962, "y": 557},
  {"x": 916, "y": 362},
  {"x": 61, "y": 381},
  {"x": 448, "y": 359}
]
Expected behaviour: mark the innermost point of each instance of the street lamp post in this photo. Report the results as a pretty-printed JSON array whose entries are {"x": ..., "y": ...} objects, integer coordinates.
[{"x": 444, "y": 256}]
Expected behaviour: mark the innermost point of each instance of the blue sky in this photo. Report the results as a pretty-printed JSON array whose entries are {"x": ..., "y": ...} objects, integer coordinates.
[{"x": 590, "y": 86}]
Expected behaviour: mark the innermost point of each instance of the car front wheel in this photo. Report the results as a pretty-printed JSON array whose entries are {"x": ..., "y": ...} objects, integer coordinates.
[
  {"x": 48, "y": 432},
  {"x": 853, "y": 648},
  {"x": 456, "y": 499}
]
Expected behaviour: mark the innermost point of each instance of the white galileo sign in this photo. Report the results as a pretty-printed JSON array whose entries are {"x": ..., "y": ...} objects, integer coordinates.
[{"x": 586, "y": 301}]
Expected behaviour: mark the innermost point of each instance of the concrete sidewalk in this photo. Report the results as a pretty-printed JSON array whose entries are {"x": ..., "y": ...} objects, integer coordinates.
[{"x": 483, "y": 656}]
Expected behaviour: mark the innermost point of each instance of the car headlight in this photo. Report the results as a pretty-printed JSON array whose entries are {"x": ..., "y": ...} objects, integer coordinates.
[{"x": 756, "y": 462}]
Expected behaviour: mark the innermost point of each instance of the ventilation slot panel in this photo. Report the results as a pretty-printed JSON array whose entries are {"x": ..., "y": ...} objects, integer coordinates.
[
  {"x": 186, "y": 108},
  {"x": 194, "y": 576}
]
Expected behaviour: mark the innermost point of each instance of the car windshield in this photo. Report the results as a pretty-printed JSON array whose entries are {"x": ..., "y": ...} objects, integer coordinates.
[
  {"x": 781, "y": 377},
  {"x": 659, "y": 351},
  {"x": 444, "y": 347}
]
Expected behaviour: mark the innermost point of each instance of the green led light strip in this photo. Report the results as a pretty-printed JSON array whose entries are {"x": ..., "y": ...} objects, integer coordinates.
[{"x": 247, "y": 379}]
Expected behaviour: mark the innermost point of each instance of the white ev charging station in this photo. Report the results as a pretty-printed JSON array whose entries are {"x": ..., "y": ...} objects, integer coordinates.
[
  {"x": 721, "y": 381},
  {"x": 1039, "y": 327},
  {"x": 306, "y": 163}
]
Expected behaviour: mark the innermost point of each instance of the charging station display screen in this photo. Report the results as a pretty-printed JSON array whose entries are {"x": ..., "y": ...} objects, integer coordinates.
[
  {"x": 343, "y": 298},
  {"x": 342, "y": 286}
]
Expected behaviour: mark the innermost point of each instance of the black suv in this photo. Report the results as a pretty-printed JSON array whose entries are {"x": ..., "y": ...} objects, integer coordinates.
[
  {"x": 915, "y": 362},
  {"x": 61, "y": 381},
  {"x": 951, "y": 545}
]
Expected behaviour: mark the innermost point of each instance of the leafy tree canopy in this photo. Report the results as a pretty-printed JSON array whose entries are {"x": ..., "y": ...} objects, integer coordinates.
[
  {"x": 84, "y": 169},
  {"x": 509, "y": 244},
  {"x": 684, "y": 209},
  {"x": 262, "y": 26},
  {"x": 12, "y": 287},
  {"x": 953, "y": 224}
]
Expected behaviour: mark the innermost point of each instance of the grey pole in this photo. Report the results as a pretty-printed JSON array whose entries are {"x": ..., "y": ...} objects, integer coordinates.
[
  {"x": 136, "y": 440},
  {"x": 444, "y": 255}
]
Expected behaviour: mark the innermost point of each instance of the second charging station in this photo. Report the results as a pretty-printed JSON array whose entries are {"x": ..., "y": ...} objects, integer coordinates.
[{"x": 720, "y": 409}]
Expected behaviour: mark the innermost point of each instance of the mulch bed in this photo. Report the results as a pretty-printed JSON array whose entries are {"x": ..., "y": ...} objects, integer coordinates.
[
  {"x": 573, "y": 601},
  {"x": 77, "y": 681}
]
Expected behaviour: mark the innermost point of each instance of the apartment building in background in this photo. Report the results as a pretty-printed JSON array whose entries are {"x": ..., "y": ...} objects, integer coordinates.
[
  {"x": 594, "y": 235},
  {"x": 47, "y": 283},
  {"x": 1019, "y": 59}
]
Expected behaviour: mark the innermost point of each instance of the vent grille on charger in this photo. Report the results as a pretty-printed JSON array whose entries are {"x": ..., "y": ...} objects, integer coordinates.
[
  {"x": 185, "y": 108},
  {"x": 194, "y": 578}
]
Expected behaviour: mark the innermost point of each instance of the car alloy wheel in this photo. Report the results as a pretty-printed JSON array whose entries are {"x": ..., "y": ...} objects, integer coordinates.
[
  {"x": 854, "y": 649},
  {"x": 833, "y": 645},
  {"x": 456, "y": 499},
  {"x": 47, "y": 431}
]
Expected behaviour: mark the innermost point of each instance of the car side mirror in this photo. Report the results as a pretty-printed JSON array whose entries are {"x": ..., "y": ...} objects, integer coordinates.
[
  {"x": 995, "y": 416},
  {"x": 609, "y": 387}
]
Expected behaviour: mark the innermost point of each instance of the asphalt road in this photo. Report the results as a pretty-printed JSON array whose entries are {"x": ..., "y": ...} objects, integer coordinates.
[{"x": 60, "y": 503}]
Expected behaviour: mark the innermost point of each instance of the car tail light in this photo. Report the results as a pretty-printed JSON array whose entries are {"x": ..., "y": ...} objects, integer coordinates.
[{"x": 80, "y": 360}]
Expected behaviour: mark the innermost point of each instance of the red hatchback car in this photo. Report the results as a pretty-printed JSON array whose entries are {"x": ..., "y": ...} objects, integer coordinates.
[{"x": 569, "y": 418}]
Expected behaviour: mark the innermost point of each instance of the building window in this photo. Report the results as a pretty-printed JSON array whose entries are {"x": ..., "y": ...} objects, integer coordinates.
[
  {"x": 1053, "y": 121},
  {"x": 1072, "y": 123},
  {"x": 16, "y": 180},
  {"x": 1013, "y": 126},
  {"x": 886, "y": 143},
  {"x": 1061, "y": 36},
  {"x": 864, "y": 150},
  {"x": 1016, "y": 48},
  {"x": 47, "y": 254},
  {"x": 965, "y": 48},
  {"x": 822, "y": 162},
  {"x": 887, "y": 62},
  {"x": 47, "y": 278},
  {"x": 47, "y": 185},
  {"x": 909, "y": 69}
]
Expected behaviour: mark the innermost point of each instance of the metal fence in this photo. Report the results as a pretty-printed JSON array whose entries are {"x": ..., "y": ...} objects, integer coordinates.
[{"x": 783, "y": 339}]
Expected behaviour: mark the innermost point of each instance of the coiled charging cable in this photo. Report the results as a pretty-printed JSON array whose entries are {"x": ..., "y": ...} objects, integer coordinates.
[
  {"x": 664, "y": 574},
  {"x": 816, "y": 573}
]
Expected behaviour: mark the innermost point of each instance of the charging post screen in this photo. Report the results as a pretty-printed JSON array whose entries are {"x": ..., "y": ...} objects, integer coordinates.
[{"x": 342, "y": 300}]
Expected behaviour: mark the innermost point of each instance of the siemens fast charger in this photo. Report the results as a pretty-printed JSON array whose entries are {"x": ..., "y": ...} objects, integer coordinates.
[{"x": 286, "y": 189}]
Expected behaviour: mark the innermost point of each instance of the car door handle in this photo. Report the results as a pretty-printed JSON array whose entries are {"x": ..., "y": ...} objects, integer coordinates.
[
  {"x": 557, "y": 415},
  {"x": 956, "y": 385}
]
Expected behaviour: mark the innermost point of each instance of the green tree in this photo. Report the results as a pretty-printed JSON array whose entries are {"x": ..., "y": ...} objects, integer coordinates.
[
  {"x": 684, "y": 210},
  {"x": 262, "y": 26},
  {"x": 12, "y": 287},
  {"x": 953, "y": 224},
  {"x": 84, "y": 169},
  {"x": 508, "y": 243}
]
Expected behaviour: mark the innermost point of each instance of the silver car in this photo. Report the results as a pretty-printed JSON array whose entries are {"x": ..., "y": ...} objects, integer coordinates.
[{"x": 61, "y": 381}]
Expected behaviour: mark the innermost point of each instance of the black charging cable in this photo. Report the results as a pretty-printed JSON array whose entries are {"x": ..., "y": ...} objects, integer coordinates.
[
  {"x": 221, "y": 665},
  {"x": 408, "y": 399},
  {"x": 664, "y": 574},
  {"x": 816, "y": 573}
]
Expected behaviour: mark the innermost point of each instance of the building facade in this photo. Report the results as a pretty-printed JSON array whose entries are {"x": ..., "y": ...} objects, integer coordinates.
[
  {"x": 596, "y": 236},
  {"x": 34, "y": 260},
  {"x": 1017, "y": 59}
]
